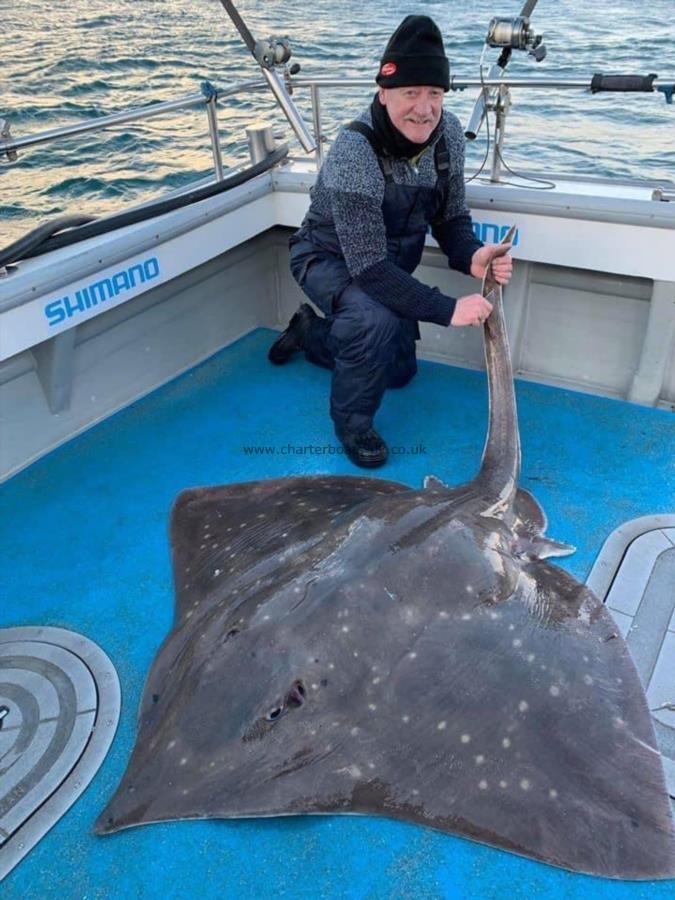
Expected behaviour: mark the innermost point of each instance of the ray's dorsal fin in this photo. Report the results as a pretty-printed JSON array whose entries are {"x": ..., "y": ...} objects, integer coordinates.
[{"x": 500, "y": 464}]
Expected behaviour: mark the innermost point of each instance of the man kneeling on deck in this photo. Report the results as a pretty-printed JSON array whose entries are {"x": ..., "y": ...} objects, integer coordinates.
[{"x": 392, "y": 173}]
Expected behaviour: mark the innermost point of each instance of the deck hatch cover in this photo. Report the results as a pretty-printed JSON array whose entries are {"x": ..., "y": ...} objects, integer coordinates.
[
  {"x": 634, "y": 575},
  {"x": 59, "y": 708}
]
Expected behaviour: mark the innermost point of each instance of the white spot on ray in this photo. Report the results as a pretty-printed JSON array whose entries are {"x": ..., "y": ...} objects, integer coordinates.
[
  {"x": 517, "y": 642},
  {"x": 442, "y": 725},
  {"x": 506, "y": 743},
  {"x": 554, "y": 690},
  {"x": 523, "y": 706},
  {"x": 170, "y": 745},
  {"x": 372, "y": 707},
  {"x": 412, "y": 655},
  {"x": 352, "y": 771},
  {"x": 216, "y": 572},
  {"x": 183, "y": 761},
  {"x": 503, "y": 784},
  {"x": 354, "y": 731},
  {"x": 588, "y": 679},
  {"x": 345, "y": 628},
  {"x": 553, "y": 793},
  {"x": 525, "y": 784},
  {"x": 376, "y": 680},
  {"x": 531, "y": 657},
  {"x": 466, "y": 617},
  {"x": 465, "y": 738},
  {"x": 480, "y": 759},
  {"x": 405, "y": 719},
  {"x": 482, "y": 785}
]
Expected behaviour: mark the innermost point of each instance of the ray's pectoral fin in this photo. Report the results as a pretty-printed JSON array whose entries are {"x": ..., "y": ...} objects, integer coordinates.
[
  {"x": 219, "y": 534},
  {"x": 529, "y": 527}
]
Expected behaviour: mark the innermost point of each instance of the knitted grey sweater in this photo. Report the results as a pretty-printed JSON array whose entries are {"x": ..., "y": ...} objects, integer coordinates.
[{"x": 349, "y": 191}]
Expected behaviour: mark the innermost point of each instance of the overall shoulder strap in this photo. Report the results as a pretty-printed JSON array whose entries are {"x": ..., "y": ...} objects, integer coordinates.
[
  {"x": 368, "y": 133},
  {"x": 442, "y": 159},
  {"x": 442, "y": 163}
]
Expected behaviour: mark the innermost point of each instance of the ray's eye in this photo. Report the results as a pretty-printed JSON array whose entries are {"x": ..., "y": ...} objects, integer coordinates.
[{"x": 274, "y": 714}]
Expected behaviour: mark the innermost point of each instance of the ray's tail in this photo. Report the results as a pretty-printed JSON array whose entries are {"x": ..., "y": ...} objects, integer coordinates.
[{"x": 500, "y": 464}]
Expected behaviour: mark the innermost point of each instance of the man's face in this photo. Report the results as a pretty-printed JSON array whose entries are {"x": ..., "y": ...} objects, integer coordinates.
[{"x": 415, "y": 111}]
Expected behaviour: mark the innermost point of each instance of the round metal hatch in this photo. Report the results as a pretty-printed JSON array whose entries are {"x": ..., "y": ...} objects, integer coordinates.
[{"x": 59, "y": 708}]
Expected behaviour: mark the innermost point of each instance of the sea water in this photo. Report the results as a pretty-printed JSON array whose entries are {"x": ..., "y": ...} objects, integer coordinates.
[{"x": 71, "y": 62}]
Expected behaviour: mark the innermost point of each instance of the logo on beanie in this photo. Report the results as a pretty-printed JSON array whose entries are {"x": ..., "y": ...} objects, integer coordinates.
[{"x": 388, "y": 69}]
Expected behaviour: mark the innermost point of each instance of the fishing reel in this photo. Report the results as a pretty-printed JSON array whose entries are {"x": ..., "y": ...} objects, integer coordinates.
[
  {"x": 506, "y": 35},
  {"x": 515, "y": 34},
  {"x": 272, "y": 52}
]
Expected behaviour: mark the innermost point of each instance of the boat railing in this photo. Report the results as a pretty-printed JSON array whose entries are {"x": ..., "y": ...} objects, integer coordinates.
[{"x": 209, "y": 97}]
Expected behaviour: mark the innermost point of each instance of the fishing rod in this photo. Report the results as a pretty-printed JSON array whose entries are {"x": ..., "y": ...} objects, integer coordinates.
[
  {"x": 509, "y": 34},
  {"x": 270, "y": 54}
]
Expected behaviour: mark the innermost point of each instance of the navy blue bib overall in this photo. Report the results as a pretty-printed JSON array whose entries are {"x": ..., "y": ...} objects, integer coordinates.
[{"x": 368, "y": 347}]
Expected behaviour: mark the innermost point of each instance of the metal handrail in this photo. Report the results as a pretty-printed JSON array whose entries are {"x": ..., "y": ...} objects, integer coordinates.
[
  {"x": 139, "y": 114},
  {"x": 456, "y": 84},
  {"x": 10, "y": 146}
]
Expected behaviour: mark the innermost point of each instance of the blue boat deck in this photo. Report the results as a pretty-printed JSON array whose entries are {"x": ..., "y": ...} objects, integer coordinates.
[{"x": 85, "y": 547}]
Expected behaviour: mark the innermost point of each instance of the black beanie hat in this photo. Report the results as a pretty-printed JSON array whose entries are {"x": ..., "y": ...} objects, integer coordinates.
[{"x": 415, "y": 56}]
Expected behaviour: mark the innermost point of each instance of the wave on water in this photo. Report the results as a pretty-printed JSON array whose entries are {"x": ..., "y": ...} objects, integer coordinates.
[{"x": 73, "y": 62}]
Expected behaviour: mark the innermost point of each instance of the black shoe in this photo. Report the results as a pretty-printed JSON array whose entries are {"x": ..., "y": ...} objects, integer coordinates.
[
  {"x": 364, "y": 448},
  {"x": 294, "y": 337}
]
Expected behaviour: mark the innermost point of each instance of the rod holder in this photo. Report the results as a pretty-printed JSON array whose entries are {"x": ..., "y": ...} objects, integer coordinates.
[{"x": 261, "y": 141}]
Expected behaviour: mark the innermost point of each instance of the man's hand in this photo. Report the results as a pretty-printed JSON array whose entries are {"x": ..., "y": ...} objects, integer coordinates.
[
  {"x": 502, "y": 264},
  {"x": 471, "y": 310}
]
